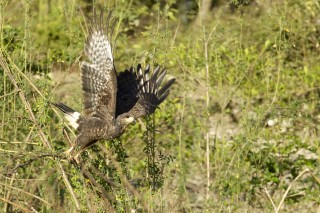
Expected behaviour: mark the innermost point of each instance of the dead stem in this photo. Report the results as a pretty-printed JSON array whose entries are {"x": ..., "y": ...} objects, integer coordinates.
[{"x": 28, "y": 108}]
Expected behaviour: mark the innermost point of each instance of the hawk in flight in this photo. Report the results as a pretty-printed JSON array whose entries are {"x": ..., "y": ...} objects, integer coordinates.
[{"x": 111, "y": 100}]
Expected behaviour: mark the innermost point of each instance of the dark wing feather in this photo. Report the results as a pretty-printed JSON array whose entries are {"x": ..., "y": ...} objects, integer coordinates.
[
  {"x": 99, "y": 83},
  {"x": 128, "y": 89},
  {"x": 142, "y": 94}
]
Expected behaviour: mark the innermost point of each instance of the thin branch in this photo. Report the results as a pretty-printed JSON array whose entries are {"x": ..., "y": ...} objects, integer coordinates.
[
  {"x": 266, "y": 191},
  {"x": 124, "y": 180},
  {"x": 103, "y": 176},
  {"x": 28, "y": 162},
  {"x": 315, "y": 177},
  {"x": 10, "y": 93},
  {"x": 8, "y": 151},
  {"x": 24, "y": 100},
  {"x": 12, "y": 179},
  {"x": 28, "y": 108},
  {"x": 175, "y": 33},
  {"x": 2, "y": 141},
  {"x": 68, "y": 185},
  {"x": 16, "y": 205},
  {"x": 289, "y": 187},
  {"x": 32, "y": 195},
  {"x": 23, "y": 179},
  {"x": 206, "y": 43},
  {"x": 105, "y": 195}
]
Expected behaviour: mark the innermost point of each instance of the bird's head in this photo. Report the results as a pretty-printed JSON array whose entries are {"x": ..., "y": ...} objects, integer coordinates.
[{"x": 125, "y": 119}]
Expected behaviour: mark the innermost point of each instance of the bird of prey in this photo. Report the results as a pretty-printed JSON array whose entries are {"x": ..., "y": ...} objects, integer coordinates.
[{"x": 111, "y": 100}]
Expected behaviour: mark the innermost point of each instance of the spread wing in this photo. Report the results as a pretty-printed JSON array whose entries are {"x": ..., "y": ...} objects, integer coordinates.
[
  {"x": 99, "y": 82},
  {"x": 128, "y": 88},
  {"x": 140, "y": 95}
]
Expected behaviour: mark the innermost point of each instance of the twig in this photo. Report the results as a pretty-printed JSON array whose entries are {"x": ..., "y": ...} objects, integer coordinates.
[
  {"x": 124, "y": 180},
  {"x": 67, "y": 137},
  {"x": 28, "y": 162},
  {"x": 43, "y": 137},
  {"x": 315, "y": 177},
  {"x": 279, "y": 69},
  {"x": 9, "y": 151},
  {"x": 289, "y": 187},
  {"x": 12, "y": 178},
  {"x": 206, "y": 43},
  {"x": 266, "y": 191},
  {"x": 32, "y": 195},
  {"x": 175, "y": 34},
  {"x": 68, "y": 185},
  {"x": 23, "y": 179},
  {"x": 16, "y": 205},
  {"x": 105, "y": 195},
  {"x": 10, "y": 93},
  {"x": 2, "y": 141},
  {"x": 103, "y": 176}
]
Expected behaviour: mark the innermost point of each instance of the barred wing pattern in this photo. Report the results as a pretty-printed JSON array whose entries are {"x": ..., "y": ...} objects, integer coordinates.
[
  {"x": 111, "y": 101},
  {"x": 99, "y": 83},
  {"x": 140, "y": 95}
]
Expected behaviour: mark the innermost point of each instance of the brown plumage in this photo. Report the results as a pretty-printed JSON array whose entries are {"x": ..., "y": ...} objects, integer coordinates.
[{"x": 111, "y": 100}]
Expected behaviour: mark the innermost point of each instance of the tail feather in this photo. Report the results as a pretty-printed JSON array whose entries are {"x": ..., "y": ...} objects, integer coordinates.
[{"x": 71, "y": 115}]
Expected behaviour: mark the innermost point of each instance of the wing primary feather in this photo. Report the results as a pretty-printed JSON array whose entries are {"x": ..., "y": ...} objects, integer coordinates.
[
  {"x": 166, "y": 87},
  {"x": 147, "y": 93},
  {"x": 98, "y": 76},
  {"x": 152, "y": 88},
  {"x": 158, "y": 81},
  {"x": 148, "y": 87},
  {"x": 147, "y": 68},
  {"x": 101, "y": 19},
  {"x": 163, "y": 97},
  {"x": 151, "y": 80},
  {"x": 112, "y": 28},
  {"x": 155, "y": 73},
  {"x": 95, "y": 21},
  {"x": 139, "y": 70},
  {"x": 108, "y": 21},
  {"x": 140, "y": 78},
  {"x": 146, "y": 72},
  {"x": 145, "y": 76},
  {"x": 94, "y": 16}
]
